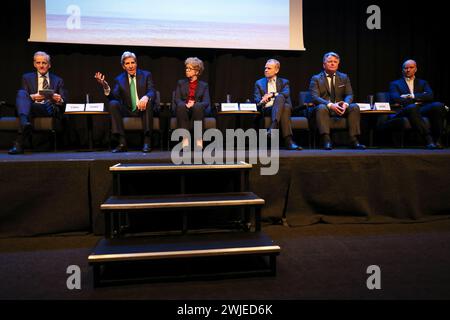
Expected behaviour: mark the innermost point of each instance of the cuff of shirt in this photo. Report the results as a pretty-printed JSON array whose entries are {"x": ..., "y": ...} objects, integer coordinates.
[{"x": 107, "y": 91}]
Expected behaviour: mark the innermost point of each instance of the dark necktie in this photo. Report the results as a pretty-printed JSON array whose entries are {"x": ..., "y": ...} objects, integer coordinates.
[
  {"x": 332, "y": 89},
  {"x": 44, "y": 83}
]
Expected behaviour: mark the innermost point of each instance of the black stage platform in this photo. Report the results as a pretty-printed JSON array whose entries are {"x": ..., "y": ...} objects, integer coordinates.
[{"x": 47, "y": 193}]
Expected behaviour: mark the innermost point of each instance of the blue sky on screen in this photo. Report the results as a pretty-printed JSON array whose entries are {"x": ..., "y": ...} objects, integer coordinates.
[{"x": 239, "y": 11}]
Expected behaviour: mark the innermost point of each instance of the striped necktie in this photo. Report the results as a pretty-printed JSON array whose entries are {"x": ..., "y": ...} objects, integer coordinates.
[{"x": 45, "y": 83}]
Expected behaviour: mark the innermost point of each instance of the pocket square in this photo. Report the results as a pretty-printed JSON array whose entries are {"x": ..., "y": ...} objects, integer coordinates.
[{"x": 342, "y": 85}]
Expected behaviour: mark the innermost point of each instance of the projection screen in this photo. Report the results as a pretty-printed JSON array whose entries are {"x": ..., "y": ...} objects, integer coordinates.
[{"x": 231, "y": 24}]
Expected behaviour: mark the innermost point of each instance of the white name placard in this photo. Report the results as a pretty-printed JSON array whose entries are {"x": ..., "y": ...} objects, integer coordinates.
[
  {"x": 382, "y": 106},
  {"x": 75, "y": 107},
  {"x": 229, "y": 106},
  {"x": 95, "y": 106},
  {"x": 247, "y": 106},
  {"x": 364, "y": 106}
]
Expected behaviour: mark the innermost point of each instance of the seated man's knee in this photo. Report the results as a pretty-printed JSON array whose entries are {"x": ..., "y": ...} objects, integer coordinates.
[
  {"x": 113, "y": 105},
  {"x": 321, "y": 108},
  {"x": 353, "y": 107},
  {"x": 288, "y": 109},
  {"x": 280, "y": 99},
  {"x": 438, "y": 106},
  {"x": 22, "y": 94},
  {"x": 411, "y": 108}
]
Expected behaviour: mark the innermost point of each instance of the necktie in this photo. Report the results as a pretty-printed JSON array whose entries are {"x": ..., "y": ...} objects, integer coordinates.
[
  {"x": 133, "y": 94},
  {"x": 332, "y": 89},
  {"x": 44, "y": 83}
]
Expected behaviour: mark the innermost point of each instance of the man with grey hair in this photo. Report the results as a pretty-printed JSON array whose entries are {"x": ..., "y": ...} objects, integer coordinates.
[
  {"x": 42, "y": 94},
  {"x": 273, "y": 97},
  {"x": 332, "y": 95},
  {"x": 133, "y": 95},
  {"x": 416, "y": 99}
]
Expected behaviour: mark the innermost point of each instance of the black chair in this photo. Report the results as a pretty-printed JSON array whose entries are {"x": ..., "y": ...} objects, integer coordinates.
[
  {"x": 398, "y": 124},
  {"x": 10, "y": 122},
  {"x": 337, "y": 123}
]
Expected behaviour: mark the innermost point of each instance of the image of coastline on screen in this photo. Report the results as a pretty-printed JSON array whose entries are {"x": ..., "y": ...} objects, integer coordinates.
[{"x": 251, "y": 24}]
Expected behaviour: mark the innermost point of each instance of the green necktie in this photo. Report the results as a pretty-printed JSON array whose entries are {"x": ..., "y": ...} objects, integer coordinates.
[{"x": 133, "y": 94}]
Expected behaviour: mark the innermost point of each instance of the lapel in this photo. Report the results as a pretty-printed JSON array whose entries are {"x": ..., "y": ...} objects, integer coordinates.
[
  {"x": 186, "y": 88},
  {"x": 405, "y": 85},
  {"x": 52, "y": 81},
  {"x": 416, "y": 85},
  {"x": 126, "y": 86},
  {"x": 34, "y": 83},
  {"x": 265, "y": 85},
  {"x": 337, "y": 83},
  {"x": 139, "y": 78},
  {"x": 279, "y": 84},
  {"x": 198, "y": 90},
  {"x": 324, "y": 81}
]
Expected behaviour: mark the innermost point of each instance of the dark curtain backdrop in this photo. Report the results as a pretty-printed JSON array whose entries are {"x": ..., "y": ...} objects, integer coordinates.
[{"x": 372, "y": 58}]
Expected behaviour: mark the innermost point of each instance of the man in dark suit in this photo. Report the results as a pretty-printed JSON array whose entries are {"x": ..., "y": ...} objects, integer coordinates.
[
  {"x": 332, "y": 95},
  {"x": 416, "y": 99},
  {"x": 133, "y": 95},
  {"x": 272, "y": 95},
  {"x": 30, "y": 102},
  {"x": 192, "y": 101}
]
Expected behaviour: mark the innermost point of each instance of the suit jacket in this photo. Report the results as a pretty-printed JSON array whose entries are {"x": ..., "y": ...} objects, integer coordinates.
[
  {"x": 282, "y": 88},
  {"x": 144, "y": 87},
  {"x": 320, "y": 90},
  {"x": 422, "y": 91},
  {"x": 201, "y": 94},
  {"x": 30, "y": 84}
]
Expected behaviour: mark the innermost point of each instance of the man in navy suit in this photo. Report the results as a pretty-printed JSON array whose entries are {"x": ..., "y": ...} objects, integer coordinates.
[
  {"x": 30, "y": 103},
  {"x": 191, "y": 99},
  {"x": 332, "y": 94},
  {"x": 416, "y": 98},
  {"x": 272, "y": 95},
  {"x": 133, "y": 95}
]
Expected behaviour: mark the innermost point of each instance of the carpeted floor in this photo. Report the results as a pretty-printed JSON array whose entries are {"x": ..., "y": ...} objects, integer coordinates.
[{"x": 320, "y": 261}]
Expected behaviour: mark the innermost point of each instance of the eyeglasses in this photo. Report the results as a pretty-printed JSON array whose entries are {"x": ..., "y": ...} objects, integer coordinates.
[{"x": 190, "y": 69}]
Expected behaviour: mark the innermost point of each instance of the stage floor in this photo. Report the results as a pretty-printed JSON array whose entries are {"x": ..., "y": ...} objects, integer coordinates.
[
  {"x": 158, "y": 155},
  {"x": 57, "y": 192}
]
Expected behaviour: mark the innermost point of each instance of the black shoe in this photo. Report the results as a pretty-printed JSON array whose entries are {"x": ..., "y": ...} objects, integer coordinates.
[
  {"x": 327, "y": 145},
  {"x": 16, "y": 149},
  {"x": 358, "y": 146},
  {"x": 431, "y": 146},
  {"x": 146, "y": 148},
  {"x": 291, "y": 145},
  {"x": 120, "y": 148}
]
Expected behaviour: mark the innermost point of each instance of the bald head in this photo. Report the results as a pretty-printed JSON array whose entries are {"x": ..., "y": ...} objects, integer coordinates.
[{"x": 409, "y": 68}]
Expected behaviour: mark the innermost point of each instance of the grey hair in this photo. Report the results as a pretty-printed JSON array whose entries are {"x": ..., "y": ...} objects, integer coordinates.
[
  {"x": 330, "y": 54},
  {"x": 196, "y": 63},
  {"x": 409, "y": 60},
  {"x": 127, "y": 54},
  {"x": 275, "y": 62},
  {"x": 42, "y": 54}
]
